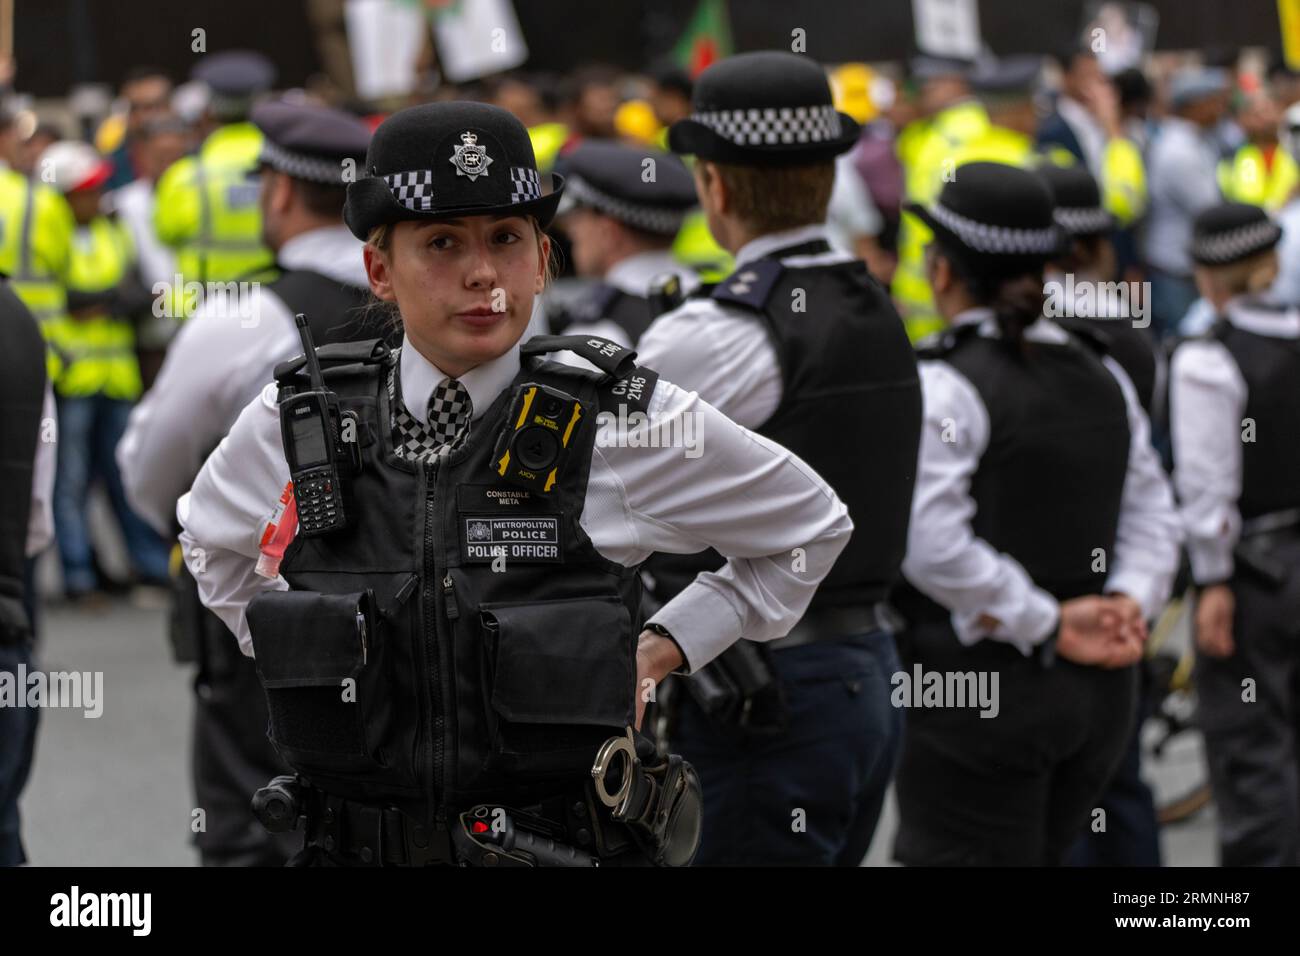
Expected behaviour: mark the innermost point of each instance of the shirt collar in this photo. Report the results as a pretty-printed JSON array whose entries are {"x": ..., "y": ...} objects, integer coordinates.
[
  {"x": 1258, "y": 315},
  {"x": 419, "y": 377},
  {"x": 331, "y": 250},
  {"x": 765, "y": 245},
  {"x": 634, "y": 274}
]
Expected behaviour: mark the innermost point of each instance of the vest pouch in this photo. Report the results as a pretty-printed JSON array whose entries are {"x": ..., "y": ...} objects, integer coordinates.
[
  {"x": 320, "y": 660},
  {"x": 559, "y": 680}
]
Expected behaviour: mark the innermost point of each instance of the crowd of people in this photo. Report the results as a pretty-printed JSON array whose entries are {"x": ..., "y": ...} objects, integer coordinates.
[{"x": 1127, "y": 243}]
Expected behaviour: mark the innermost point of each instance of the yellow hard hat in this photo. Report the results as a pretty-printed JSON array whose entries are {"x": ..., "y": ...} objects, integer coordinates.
[
  {"x": 851, "y": 87},
  {"x": 635, "y": 119}
]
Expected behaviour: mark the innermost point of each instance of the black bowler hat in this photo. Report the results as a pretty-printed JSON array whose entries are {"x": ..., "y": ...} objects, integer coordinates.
[
  {"x": 311, "y": 142},
  {"x": 446, "y": 160},
  {"x": 764, "y": 109},
  {"x": 611, "y": 179},
  {"x": 996, "y": 219},
  {"x": 1078, "y": 200},
  {"x": 1231, "y": 232}
]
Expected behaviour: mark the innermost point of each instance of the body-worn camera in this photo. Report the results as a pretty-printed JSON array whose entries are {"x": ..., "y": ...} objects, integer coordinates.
[
  {"x": 321, "y": 463},
  {"x": 539, "y": 428}
]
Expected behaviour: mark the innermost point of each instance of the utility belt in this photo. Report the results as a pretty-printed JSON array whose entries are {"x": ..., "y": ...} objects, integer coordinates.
[
  {"x": 1257, "y": 546},
  {"x": 652, "y": 817},
  {"x": 740, "y": 690}
]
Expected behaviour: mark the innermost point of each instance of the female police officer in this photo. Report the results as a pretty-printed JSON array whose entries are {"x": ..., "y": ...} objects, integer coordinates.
[
  {"x": 1037, "y": 493},
  {"x": 1235, "y": 417},
  {"x": 460, "y": 629}
]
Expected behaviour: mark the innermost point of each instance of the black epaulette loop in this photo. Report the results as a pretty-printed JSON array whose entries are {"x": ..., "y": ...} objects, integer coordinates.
[{"x": 335, "y": 355}]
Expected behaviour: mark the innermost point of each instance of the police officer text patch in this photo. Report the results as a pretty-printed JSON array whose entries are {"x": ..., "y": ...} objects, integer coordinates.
[{"x": 530, "y": 538}]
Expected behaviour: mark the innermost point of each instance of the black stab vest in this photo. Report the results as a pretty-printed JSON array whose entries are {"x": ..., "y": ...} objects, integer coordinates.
[
  {"x": 477, "y": 683},
  {"x": 335, "y": 311},
  {"x": 22, "y": 395},
  {"x": 850, "y": 407},
  {"x": 1270, "y": 366},
  {"x": 1049, "y": 485},
  {"x": 631, "y": 313}
]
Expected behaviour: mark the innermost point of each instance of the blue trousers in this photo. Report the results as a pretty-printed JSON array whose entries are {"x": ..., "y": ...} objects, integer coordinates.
[
  {"x": 17, "y": 744},
  {"x": 811, "y": 796},
  {"x": 89, "y": 430}
]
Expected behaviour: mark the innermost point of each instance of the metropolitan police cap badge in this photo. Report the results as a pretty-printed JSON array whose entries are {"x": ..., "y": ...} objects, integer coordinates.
[{"x": 470, "y": 159}]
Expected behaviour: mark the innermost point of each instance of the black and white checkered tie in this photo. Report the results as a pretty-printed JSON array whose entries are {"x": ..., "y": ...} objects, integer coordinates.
[{"x": 449, "y": 411}]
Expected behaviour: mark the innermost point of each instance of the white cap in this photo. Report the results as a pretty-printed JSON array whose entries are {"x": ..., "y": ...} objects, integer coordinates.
[{"x": 69, "y": 165}]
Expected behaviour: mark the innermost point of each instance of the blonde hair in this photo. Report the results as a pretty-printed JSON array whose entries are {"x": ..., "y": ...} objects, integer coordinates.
[{"x": 1248, "y": 276}]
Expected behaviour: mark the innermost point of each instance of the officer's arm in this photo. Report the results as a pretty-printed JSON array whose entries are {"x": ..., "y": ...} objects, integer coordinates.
[
  {"x": 1149, "y": 534},
  {"x": 1207, "y": 399},
  {"x": 945, "y": 560},
  {"x": 719, "y": 485},
  {"x": 725, "y": 356},
  {"x": 223, "y": 515}
]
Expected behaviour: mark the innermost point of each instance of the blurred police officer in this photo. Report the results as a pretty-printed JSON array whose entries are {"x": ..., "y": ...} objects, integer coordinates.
[
  {"x": 622, "y": 208},
  {"x": 207, "y": 209},
  {"x": 26, "y": 528},
  {"x": 216, "y": 364},
  {"x": 803, "y": 346},
  {"x": 1235, "y": 422}
]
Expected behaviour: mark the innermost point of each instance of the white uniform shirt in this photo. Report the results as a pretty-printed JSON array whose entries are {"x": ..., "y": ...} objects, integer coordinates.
[
  {"x": 948, "y": 563},
  {"x": 633, "y": 275},
  {"x": 40, "y": 516},
  {"x": 722, "y": 351},
  {"x": 218, "y": 362},
  {"x": 1207, "y": 403},
  {"x": 752, "y": 500}
]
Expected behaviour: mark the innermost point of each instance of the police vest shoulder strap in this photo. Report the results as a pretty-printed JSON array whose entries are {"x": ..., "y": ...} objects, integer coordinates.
[
  {"x": 942, "y": 344},
  {"x": 336, "y": 360},
  {"x": 1096, "y": 339},
  {"x": 627, "y": 388},
  {"x": 750, "y": 286},
  {"x": 610, "y": 357}
]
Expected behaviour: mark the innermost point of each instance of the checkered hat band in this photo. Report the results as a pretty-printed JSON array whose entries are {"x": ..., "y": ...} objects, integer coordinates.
[
  {"x": 525, "y": 184},
  {"x": 650, "y": 218},
  {"x": 414, "y": 189},
  {"x": 1239, "y": 243},
  {"x": 999, "y": 240},
  {"x": 311, "y": 168},
  {"x": 774, "y": 125},
  {"x": 1078, "y": 220}
]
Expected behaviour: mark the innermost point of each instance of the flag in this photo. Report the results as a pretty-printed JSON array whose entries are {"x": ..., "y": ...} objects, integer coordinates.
[{"x": 707, "y": 38}]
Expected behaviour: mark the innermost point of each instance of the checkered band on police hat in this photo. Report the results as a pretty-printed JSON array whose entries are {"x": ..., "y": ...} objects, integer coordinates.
[
  {"x": 1221, "y": 248},
  {"x": 997, "y": 240},
  {"x": 1081, "y": 220},
  {"x": 525, "y": 184},
  {"x": 413, "y": 189},
  {"x": 311, "y": 168},
  {"x": 655, "y": 219},
  {"x": 774, "y": 125}
]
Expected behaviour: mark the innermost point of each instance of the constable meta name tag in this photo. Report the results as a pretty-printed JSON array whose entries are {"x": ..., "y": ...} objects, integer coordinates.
[{"x": 507, "y": 522}]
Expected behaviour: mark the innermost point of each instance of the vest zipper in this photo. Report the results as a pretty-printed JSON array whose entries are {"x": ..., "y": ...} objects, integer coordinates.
[
  {"x": 449, "y": 598},
  {"x": 431, "y": 656}
]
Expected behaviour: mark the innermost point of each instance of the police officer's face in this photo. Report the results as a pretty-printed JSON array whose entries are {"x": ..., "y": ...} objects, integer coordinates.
[{"x": 465, "y": 287}]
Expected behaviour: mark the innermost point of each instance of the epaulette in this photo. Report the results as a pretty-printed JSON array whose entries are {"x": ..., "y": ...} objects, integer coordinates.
[
  {"x": 336, "y": 359},
  {"x": 944, "y": 342},
  {"x": 750, "y": 285},
  {"x": 623, "y": 384}
]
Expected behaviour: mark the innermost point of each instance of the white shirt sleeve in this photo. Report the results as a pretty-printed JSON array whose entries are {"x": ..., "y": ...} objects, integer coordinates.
[
  {"x": 40, "y": 517},
  {"x": 718, "y": 352},
  {"x": 223, "y": 515},
  {"x": 778, "y": 523},
  {"x": 216, "y": 363},
  {"x": 1149, "y": 533},
  {"x": 945, "y": 560},
  {"x": 1207, "y": 399}
]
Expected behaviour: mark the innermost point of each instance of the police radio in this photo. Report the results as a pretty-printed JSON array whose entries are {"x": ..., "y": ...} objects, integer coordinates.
[
  {"x": 321, "y": 463},
  {"x": 531, "y": 448}
]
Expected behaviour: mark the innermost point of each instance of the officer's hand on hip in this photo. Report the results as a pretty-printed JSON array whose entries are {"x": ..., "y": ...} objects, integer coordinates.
[
  {"x": 1093, "y": 633},
  {"x": 656, "y": 658},
  {"x": 1214, "y": 609}
]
